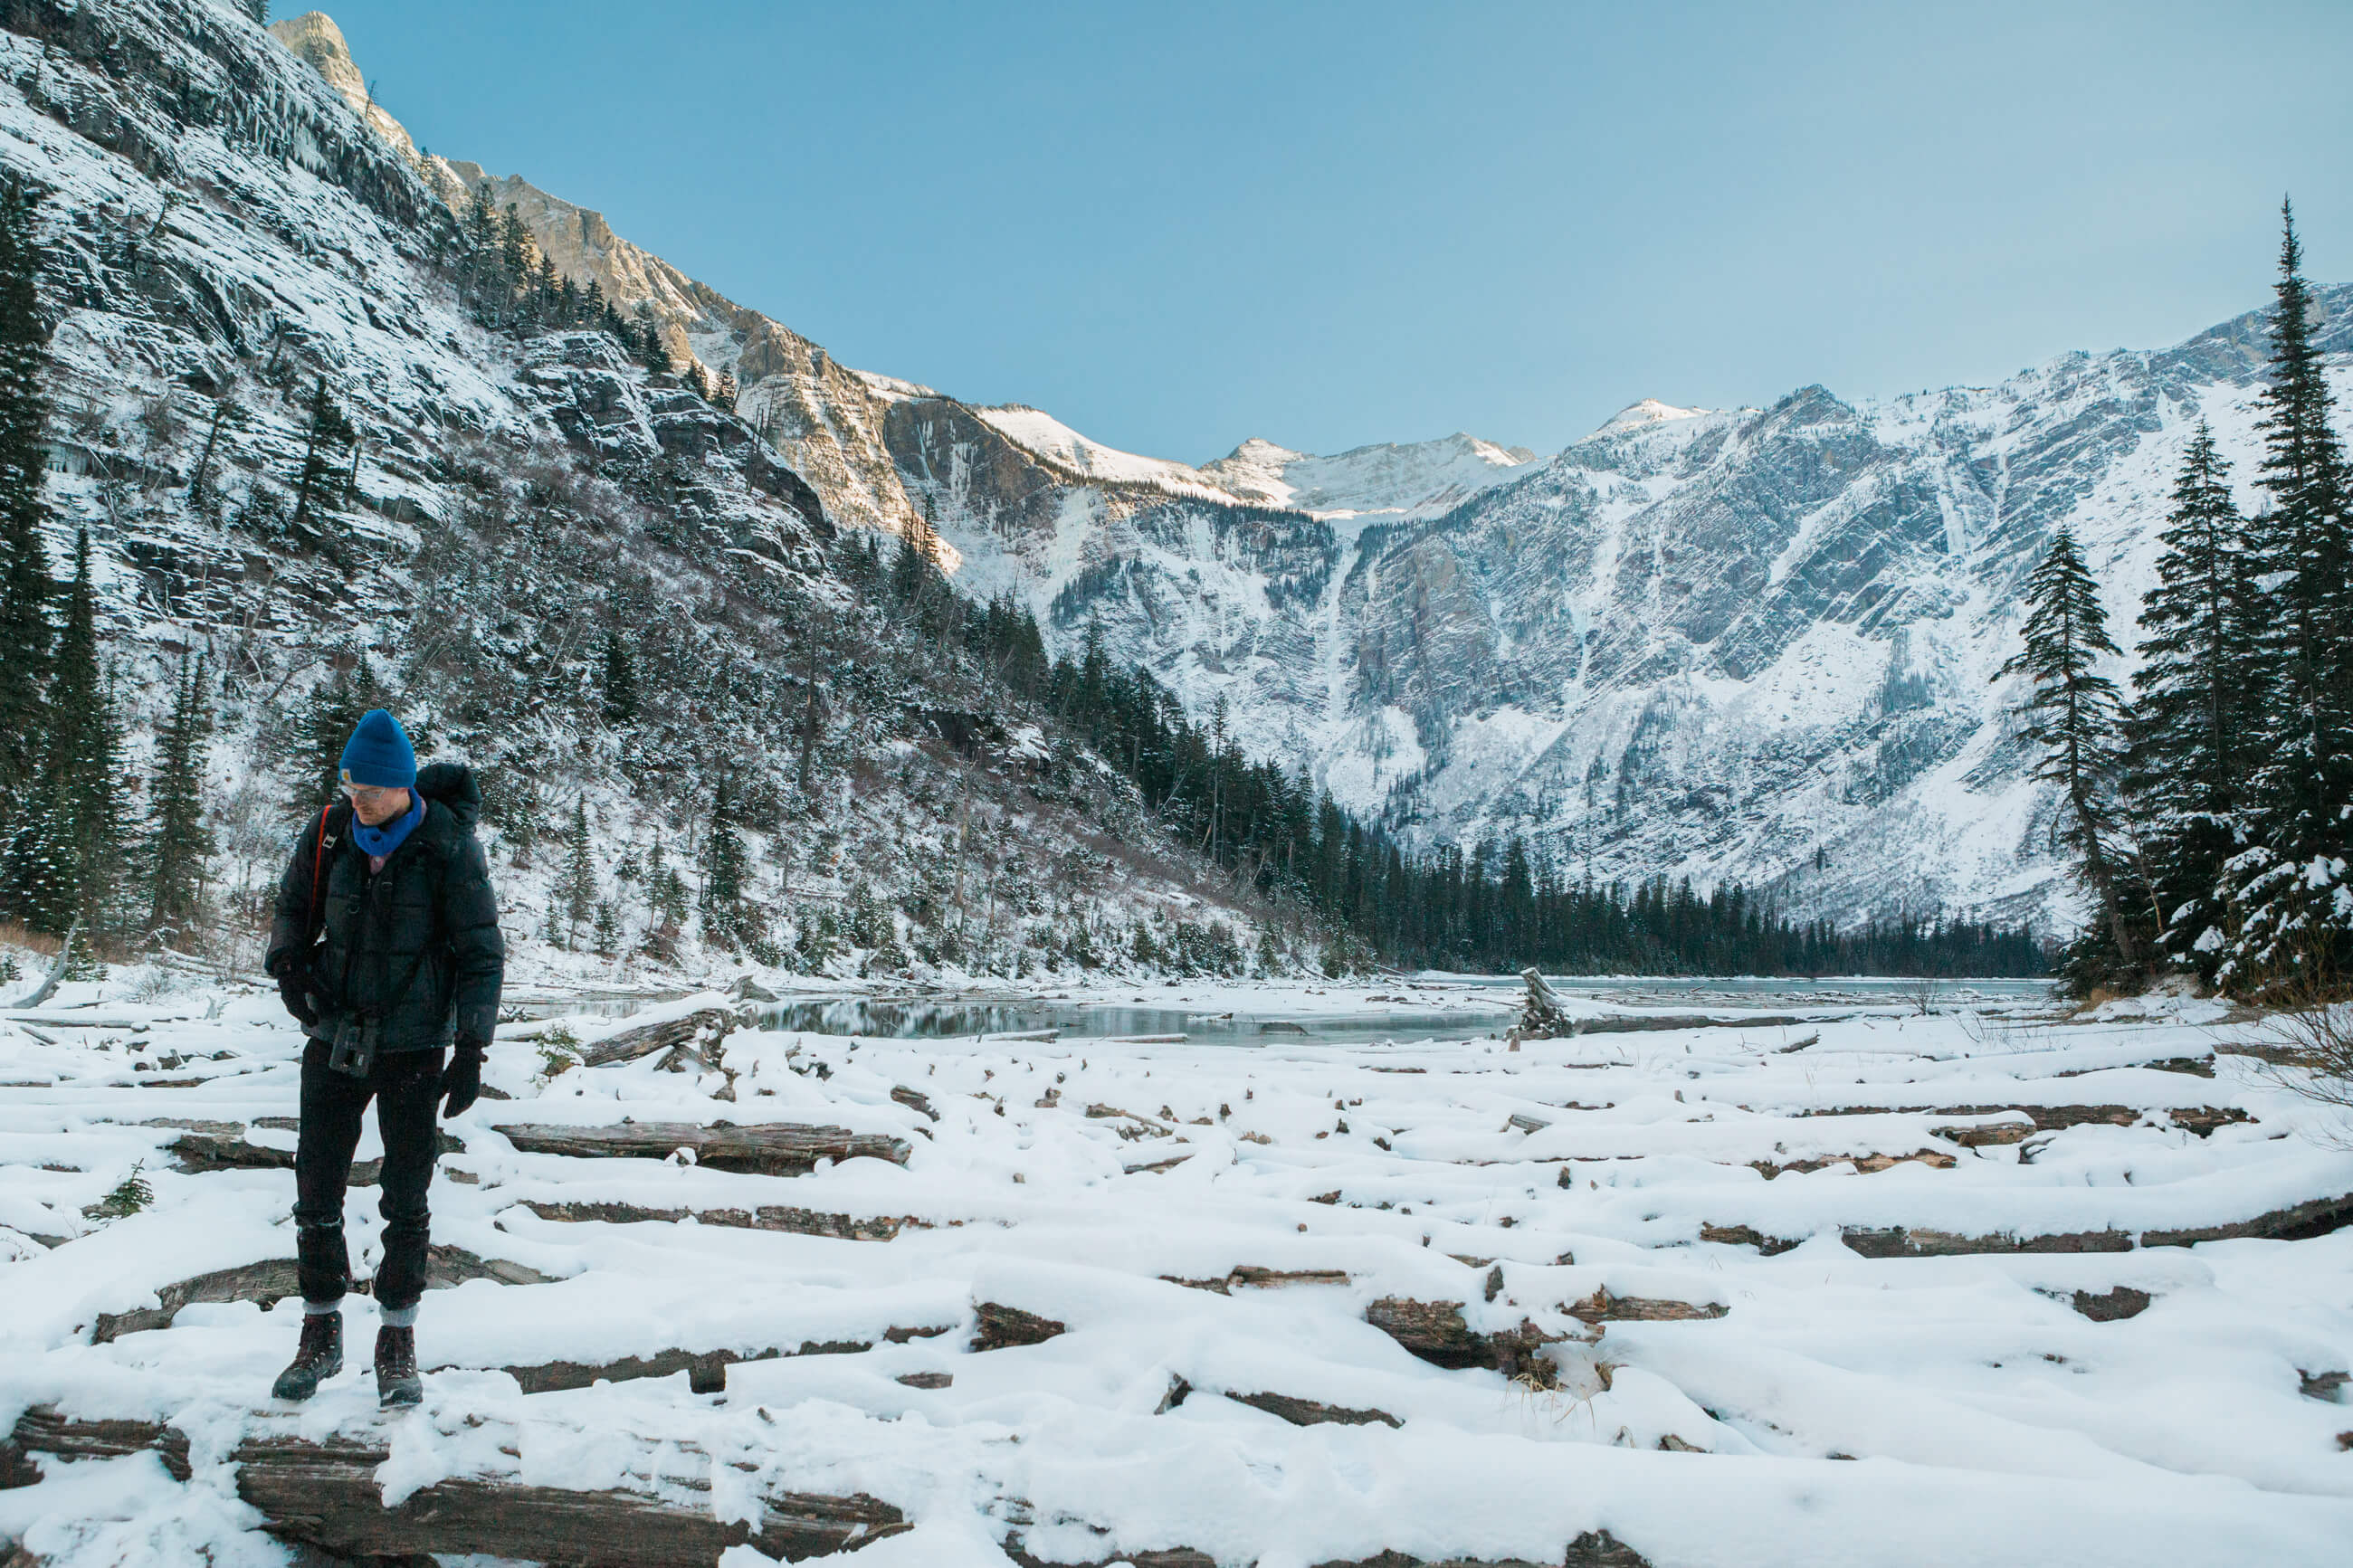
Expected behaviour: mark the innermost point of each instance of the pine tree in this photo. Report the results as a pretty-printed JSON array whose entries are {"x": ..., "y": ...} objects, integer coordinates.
[
  {"x": 63, "y": 862},
  {"x": 607, "y": 939},
  {"x": 25, "y": 631},
  {"x": 2289, "y": 886},
  {"x": 619, "y": 696},
  {"x": 330, "y": 434},
  {"x": 724, "y": 867},
  {"x": 651, "y": 348},
  {"x": 2070, "y": 720},
  {"x": 179, "y": 845},
  {"x": 2193, "y": 722},
  {"x": 313, "y": 746},
  {"x": 577, "y": 890}
]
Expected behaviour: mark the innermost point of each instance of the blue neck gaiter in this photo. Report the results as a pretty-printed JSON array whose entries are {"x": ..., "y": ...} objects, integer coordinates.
[{"x": 378, "y": 842}]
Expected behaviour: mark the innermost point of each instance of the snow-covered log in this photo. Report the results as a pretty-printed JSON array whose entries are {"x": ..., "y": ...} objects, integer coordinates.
[
  {"x": 767, "y": 1216},
  {"x": 697, "y": 1032},
  {"x": 764, "y": 1149}
]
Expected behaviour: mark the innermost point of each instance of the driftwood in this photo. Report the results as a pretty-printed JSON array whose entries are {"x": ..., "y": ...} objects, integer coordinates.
[
  {"x": 1001, "y": 1327},
  {"x": 274, "y": 1280},
  {"x": 1601, "y": 1307},
  {"x": 1594, "y": 1549},
  {"x": 1744, "y": 1236},
  {"x": 325, "y": 1494},
  {"x": 42, "y": 1430},
  {"x": 1543, "y": 1017},
  {"x": 1251, "y": 1276},
  {"x": 767, "y": 1216},
  {"x": 2298, "y": 1221},
  {"x": 2201, "y": 1119},
  {"x": 2111, "y": 1306},
  {"x": 698, "y": 1033},
  {"x": 1868, "y": 1165},
  {"x": 764, "y": 1149},
  {"x": 706, "y": 1371},
  {"x": 1311, "y": 1412},
  {"x": 1435, "y": 1331},
  {"x": 207, "y": 1149}
]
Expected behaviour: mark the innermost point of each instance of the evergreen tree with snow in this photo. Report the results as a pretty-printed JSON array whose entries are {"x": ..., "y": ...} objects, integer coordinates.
[
  {"x": 25, "y": 632},
  {"x": 2070, "y": 720},
  {"x": 577, "y": 890},
  {"x": 724, "y": 869},
  {"x": 2289, "y": 885},
  {"x": 2196, "y": 711},
  {"x": 312, "y": 746},
  {"x": 327, "y": 436},
  {"x": 179, "y": 845},
  {"x": 618, "y": 682},
  {"x": 64, "y": 861}
]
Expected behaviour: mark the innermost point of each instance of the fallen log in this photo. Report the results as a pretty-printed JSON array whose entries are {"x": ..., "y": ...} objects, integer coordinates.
[
  {"x": 767, "y": 1216},
  {"x": 764, "y": 1149},
  {"x": 1251, "y": 1276},
  {"x": 2201, "y": 1119},
  {"x": 1746, "y": 1235},
  {"x": 207, "y": 1149},
  {"x": 2297, "y": 1222},
  {"x": 1001, "y": 1327},
  {"x": 1593, "y": 1549},
  {"x": 1899, "y": 1241},
  {"x": 1435, "y": 1332},
  {"x": 698, "y": 1032},
  {"x": 274, "y": 1280},
  {"x": 1312, "y": 1412},
  {"x": 42, "y": 1430},
  {"x": 1601, "y": 1307},
  {"x": 706, "y": 1371},
  {"x": 325, "y": 1494},
  {"x": 2111, "y": 1306},
  {"x": 1868, "y": 1165}
]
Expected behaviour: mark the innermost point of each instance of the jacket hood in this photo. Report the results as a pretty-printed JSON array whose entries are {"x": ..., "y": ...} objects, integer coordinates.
[{"x": 452, "y": 783}]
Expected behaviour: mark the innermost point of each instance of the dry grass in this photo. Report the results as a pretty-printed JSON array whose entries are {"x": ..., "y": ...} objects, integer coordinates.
[{"x": 14, "y": 935}]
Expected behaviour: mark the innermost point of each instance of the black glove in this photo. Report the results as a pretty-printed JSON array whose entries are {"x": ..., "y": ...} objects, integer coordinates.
[
  {"x": 461, "y": 1080},
  {"x": 294, "y": 990}
]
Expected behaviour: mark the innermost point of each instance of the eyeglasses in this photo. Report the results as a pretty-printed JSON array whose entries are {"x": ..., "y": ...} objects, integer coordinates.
[{"x": 368, "y": 794}]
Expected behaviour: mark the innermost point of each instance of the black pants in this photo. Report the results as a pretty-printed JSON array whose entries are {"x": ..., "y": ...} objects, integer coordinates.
[{"x": 406, "y": 1088}]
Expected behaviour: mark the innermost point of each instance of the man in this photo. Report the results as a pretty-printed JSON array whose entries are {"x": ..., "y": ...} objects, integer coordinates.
[{"x": 386, "y": 950}]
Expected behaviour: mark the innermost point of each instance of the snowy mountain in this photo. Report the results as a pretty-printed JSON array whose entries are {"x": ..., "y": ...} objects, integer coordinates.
[
  {"x": 233, "y": 240},
  {"x": 1729, "y": 644}
]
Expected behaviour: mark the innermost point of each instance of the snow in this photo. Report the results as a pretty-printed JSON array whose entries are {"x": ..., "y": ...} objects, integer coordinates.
[
  {"x": 1841, "y": 1404},
  {"x": 1639, "y": 416},
  {"x": 1049, "y": 437}
]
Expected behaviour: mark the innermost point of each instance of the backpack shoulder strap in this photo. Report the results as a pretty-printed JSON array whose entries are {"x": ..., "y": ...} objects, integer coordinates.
[{"x": 330, "y": 832}]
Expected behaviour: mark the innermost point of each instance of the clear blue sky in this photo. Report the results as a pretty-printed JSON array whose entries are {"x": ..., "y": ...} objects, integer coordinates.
[{"x": 1176, "y": 225}]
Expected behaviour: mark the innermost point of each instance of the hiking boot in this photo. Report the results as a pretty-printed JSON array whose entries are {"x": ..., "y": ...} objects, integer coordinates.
[
  {"x": 318, "y": 1358},
  {"x": 396, "y": 1382}
]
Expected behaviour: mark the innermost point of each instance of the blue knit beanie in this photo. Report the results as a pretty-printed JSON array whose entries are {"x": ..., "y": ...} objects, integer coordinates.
[{"x": 379, "y": 754}]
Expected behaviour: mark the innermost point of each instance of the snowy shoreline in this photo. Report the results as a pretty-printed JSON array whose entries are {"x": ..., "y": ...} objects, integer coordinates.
[{"x": 1759, "y": 1294}]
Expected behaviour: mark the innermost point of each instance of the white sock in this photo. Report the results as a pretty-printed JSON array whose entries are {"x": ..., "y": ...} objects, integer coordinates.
[{"x": 400, "y": 1318}]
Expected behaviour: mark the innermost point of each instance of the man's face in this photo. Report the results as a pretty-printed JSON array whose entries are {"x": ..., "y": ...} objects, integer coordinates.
[{"x": 376, "y": 804}]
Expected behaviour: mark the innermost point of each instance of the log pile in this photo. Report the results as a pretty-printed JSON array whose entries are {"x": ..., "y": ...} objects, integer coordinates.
[{"x": 764, "y": 1149}]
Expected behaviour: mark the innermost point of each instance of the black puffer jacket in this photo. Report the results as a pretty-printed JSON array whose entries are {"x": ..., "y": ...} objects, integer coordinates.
[{"x": 415, "y": 946}]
